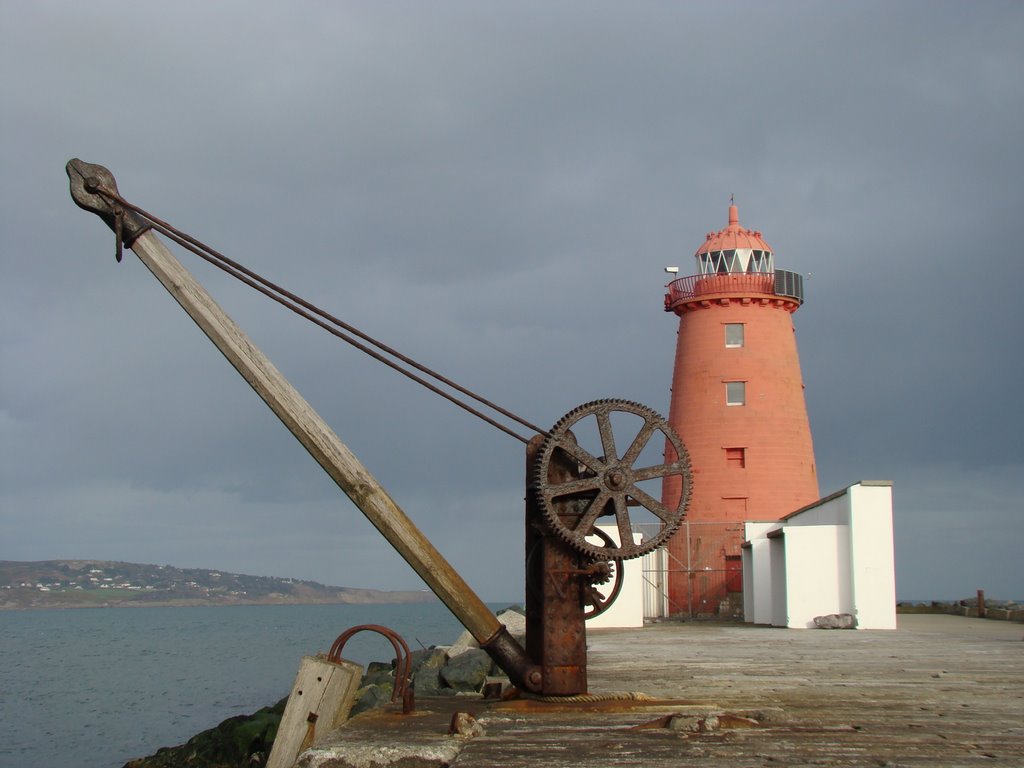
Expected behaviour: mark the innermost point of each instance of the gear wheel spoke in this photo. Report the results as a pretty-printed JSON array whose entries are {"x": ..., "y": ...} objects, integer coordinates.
[
  {"x": 651, "y": 504},
  {"x": 642, "y": 438},
  {"x": 662, "y": 470},
  {"x": 586, "y": 524},
  {"x": 622, "y": 520},
  {"x": 607, "y": 485},
  {"x": 583, "y": 456},
  {"x": 572, "y": 487},
  {"x": 604, "y": 426}
]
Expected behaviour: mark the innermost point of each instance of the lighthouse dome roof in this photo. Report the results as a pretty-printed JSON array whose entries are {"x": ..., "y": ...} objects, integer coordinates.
[{"x": 733, "y": 237}]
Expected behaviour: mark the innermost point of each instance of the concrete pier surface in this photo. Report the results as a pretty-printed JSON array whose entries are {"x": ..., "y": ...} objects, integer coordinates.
[{"x": 939, "y": 691}]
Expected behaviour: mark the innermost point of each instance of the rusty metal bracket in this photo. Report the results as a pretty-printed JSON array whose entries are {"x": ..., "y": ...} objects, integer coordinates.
[
  {"x": 88, "y": 182},
  {"x": 403, "y": 662},
  {"x": 520, "y": 667}
]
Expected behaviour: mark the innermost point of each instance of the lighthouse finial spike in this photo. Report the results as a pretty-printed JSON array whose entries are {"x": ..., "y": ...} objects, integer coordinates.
[{"x": 734, "y": 214}]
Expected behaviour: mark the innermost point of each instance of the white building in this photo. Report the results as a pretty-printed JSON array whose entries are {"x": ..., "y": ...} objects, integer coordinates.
[{"x": 831, "y": 557}]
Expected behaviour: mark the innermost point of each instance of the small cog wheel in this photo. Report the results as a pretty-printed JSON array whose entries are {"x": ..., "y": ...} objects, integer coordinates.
[
  {"x": 601, "y": 579},
  {"x": 608, "y": 483},
  {"x": 601, "y": 572}
]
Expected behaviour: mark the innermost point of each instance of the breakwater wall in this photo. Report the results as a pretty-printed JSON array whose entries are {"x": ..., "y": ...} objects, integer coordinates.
[{"x": 1001, "y": 610}]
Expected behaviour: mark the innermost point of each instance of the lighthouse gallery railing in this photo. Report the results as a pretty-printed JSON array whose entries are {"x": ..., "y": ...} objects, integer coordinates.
[{"x": 781, "y": 283}]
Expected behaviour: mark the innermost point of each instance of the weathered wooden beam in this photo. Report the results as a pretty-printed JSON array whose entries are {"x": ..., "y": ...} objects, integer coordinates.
[
  {"x": 317, "y": 437},
  {"x": 310, "y": 429}
]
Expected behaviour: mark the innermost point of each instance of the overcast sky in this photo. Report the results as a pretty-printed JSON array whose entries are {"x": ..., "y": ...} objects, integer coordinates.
[{"x": 495, "y": 189}]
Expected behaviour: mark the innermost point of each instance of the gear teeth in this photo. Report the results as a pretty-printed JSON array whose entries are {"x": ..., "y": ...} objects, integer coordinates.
[
  {"x": 598, "y": 579},
  {"x": 555, "y": 438}
]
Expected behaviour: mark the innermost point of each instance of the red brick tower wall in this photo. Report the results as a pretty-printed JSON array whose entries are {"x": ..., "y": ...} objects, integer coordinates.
[
  {"x": 751, "y": 461},
  {"x": 770, "y": 470}
]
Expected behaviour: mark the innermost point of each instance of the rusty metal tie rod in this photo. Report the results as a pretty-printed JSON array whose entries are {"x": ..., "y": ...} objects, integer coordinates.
[
  {"x": 306, "y": 424},
  {"x": 120, "y": 216}
]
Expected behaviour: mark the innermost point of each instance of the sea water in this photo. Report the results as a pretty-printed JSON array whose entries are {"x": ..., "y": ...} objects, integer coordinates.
[{"x": 93, "y": 688}]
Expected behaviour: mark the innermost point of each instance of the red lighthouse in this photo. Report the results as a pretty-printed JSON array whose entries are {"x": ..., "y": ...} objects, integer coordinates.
[{"x": 738, "y": 404}]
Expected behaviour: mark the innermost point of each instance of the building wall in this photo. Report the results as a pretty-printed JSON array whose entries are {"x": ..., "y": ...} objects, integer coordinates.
[
  {"x": 778, "y": 586},
  {"x": 816, "y": 565},
  {"x": 628, "y": 608},
  {"x": 873, "y": 563},
  {"x": 834, "y": 556},
  {"x": 757, "y": 602}
]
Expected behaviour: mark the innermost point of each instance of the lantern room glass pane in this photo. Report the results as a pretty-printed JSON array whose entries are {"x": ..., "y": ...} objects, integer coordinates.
[{"x": 731, "y": 262}]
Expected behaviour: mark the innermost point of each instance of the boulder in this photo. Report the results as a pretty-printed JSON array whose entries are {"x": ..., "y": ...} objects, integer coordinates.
[
  {"x": 835, "y": 621},
  {"x": 371, "y": 697},
  {"x": 467, "y": 671},
  {"x": 464, "y": 724},
  {"x": 514, "y": 619},
  {"x": 378, "y": 673},
  {"x": 240, "y": 740},
  {"x": 426, "y": 675}
]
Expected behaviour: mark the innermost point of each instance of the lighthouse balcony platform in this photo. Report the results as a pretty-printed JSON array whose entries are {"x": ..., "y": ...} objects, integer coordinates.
[{"x": 781, "y": 285}]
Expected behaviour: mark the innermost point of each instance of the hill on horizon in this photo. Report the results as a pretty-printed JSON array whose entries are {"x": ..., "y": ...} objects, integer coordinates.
[{"x": 107, "y": 583}]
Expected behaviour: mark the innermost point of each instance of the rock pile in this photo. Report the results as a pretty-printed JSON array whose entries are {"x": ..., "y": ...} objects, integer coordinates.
[
  {"x": 461, "y": 668},
  {"x": 238, "y": 742}
]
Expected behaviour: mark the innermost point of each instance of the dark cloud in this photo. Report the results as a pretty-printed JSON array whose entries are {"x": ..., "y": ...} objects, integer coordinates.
[{"x": 495, "y": 190}]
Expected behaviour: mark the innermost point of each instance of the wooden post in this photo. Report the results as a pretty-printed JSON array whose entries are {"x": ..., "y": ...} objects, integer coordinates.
[{"x": 321, "y": 698}]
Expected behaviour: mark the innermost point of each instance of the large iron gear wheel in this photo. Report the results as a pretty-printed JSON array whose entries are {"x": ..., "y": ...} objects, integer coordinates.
[{"x": 608, "y": 483}]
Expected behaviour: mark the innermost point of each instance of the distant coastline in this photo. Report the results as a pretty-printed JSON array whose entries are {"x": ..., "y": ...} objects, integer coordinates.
[{"x": 112, "y": 584}]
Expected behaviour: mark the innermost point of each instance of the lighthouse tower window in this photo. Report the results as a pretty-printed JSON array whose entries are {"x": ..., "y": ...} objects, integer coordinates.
[
  {"x": 736, "y": 458},
  {"x": 734, "y": 335},
  {"x": 735, "y": 393}
]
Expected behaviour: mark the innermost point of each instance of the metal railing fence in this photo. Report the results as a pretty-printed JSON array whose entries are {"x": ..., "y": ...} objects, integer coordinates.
[
  {"x": 781, "y": 282},
  {"x": 697, "y": 574}
]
